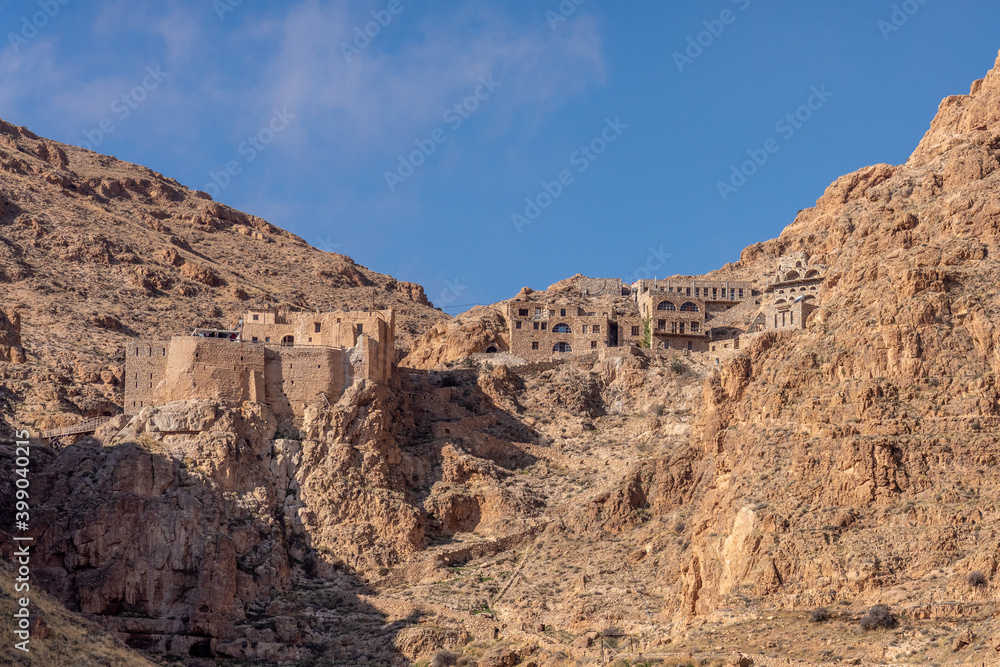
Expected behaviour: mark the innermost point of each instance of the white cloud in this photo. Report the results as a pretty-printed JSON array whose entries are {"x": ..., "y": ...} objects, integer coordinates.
[{"x": 411, "y": 72}]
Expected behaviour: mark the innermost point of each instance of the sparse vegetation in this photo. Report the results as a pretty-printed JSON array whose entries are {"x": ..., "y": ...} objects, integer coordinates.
[
  {"x": 444, "y": 658},
  {"x": 819, "y": 615},
  {"x": 678, "y": 367},
  {"x": 879, "y": 617},
  {"x": 976, "y": 579}
]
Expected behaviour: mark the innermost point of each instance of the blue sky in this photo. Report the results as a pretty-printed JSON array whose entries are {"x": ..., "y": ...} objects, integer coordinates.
[{"x": 414, "y": 148}]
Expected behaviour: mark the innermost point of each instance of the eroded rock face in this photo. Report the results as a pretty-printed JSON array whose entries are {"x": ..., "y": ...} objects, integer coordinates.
[
  {"x": 177, "y": 523},
  {"x": 885, "y": 409},
  {"x": 482, "y": 328},
  {"x": 10, "y": 337}
]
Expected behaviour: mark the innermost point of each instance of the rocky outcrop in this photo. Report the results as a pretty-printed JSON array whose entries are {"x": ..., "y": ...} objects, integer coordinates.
[
  {"x": 476, "y": 331},
  {"x": 89, "y": 239},
  {"x": 839, "y": 435},
  {"x": 10, "y": 337}
]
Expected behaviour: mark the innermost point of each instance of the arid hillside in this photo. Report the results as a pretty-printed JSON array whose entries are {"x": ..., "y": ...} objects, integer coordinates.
[
  {"x": 628, "y": 507},
  {"x": 95, "y": 251}
]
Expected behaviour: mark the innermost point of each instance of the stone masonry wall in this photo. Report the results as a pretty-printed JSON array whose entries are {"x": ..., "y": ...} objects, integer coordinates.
[
  {"x": 145, "y": 363},
  {"x": 299, "y": 376}
]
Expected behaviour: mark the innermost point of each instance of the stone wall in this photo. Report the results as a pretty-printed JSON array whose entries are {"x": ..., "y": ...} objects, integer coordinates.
[
  {"x": 340, "y": 329},
  {"x": 145, "y": 363},
  {"x": 287, "y": 378},
  {"x": 692, "y": 286},
  {"x": 296, "y": 377},
  {"x": 213, "y": 369},
  {"x": 542, "y": 331}
]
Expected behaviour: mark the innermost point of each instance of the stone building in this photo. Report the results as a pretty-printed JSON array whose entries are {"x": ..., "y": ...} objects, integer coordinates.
[
  {"x": 554, "y": 328},
  {"x": 264, "y": 361},
  {"x": 792, "y": 294},
  {"x": 684, "y": 312}
]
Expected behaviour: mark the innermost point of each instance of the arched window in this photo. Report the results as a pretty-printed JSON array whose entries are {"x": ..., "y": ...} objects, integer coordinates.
[
  {"x": 288, "y": 341},
  {"x": 666, "y": 305},
  {"x": 689, "y": 308},
  {"x": 491, "y": 349},
  {"x": 792, "y": 275},
  {"x": 812, "y": 273},
  {"x": 562, "y": 347},
  {"x": 779, "y": 302},
  {"x": 561, "y": 328}
]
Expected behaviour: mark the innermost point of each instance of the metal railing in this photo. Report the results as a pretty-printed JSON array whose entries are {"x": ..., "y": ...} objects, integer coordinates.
[{"x": 86, "y": 426}]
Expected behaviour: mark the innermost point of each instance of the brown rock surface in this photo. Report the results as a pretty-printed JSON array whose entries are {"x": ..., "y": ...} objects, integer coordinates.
[
  {"x": 94, "y": 242},
  {"x": 649, "y": 506}
]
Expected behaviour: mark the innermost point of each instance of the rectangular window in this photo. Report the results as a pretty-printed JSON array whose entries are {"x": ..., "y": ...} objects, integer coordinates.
[
  {"x": 715, "y": 292},
  {"x": 522, "y": 312},
  {"x": 538, "y": 312},
  {"x": 635, "y": 331},
  {"x": 317, "y": 327},
  {"x": 536, "y": 324},
  {"x": 694, "y": 327},
  {"x": 661, "y": 324},
  {"x": 517, "y": 324},
  {"x": 596, "y": 328},
  {"x": 534, "y": 345},
  {"x": 361, "y": 329},
  {"x": 682, "y": 327},
  {"x": 673, "y": 328},
  {"x": 696, "y": 291},
  {"x": 593, "y": 345},
  {"x": 741, "y": 294},
  {"x": 690, "y": 345},
  {"x": 545, "y": 325},
  {"x": 267, "y": 339},
  {"x": 688, "y": 292},
  {"x": 583, "y": 329},
  {"x": 562, "y": 312},
  {"x": 253, "y": 339},
  {"x": 256, "y": 317},
  {"x": 732, "y": 295}
]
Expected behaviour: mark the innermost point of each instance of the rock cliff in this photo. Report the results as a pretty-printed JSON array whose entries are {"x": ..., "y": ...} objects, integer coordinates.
[{"x": 649, "y": 506}]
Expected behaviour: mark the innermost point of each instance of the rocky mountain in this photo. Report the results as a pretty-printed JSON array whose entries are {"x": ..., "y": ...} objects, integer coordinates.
[
  {"x": 96, "y": 251},
  {"x": 648, "y": 508}
]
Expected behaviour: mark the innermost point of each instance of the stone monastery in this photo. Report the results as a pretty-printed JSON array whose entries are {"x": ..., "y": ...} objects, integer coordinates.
[
  {"x": 292, "y": 360},
  {"x": 689, "y": 314},
  {"x": 288, "y": 361}
]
